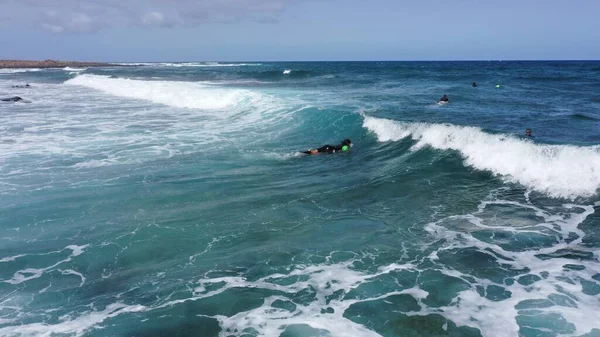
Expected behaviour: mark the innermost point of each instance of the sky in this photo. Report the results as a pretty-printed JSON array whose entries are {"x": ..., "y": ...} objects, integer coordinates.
[{"x": 299, "y": 30}]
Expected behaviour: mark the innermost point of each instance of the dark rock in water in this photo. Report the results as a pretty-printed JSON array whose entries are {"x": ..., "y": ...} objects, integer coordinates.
[{"x": 14, "y": 99}]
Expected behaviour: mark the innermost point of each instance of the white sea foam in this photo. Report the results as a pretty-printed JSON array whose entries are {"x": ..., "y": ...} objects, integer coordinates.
[
  {"x": 331, "y": 284},
  {"x": 287, "y": 71},
  {"x": 558, "y": 170},
  {"x": 11, "y": 258},
  {"x": 324, "y": 279},
  {"x": 73, "y": 272},
  {"x": 27, "y": 274},
  {"x": 70, "y": 327},
  {"x": 500, "y": 317},
  {"x": 172, "y": 93},
  {"x": 89, "y": 126},
  {"x": 21, "y": 70},
  {"x": 75, "y": 70},
  {"x": 494, "y": 318}
]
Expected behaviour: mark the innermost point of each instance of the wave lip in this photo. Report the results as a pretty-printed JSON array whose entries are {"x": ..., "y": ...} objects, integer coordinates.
[
  {"x": 560, "y": 171},
  {"x": 74, "y": 69},
  {"x": 171, "y": 93}
]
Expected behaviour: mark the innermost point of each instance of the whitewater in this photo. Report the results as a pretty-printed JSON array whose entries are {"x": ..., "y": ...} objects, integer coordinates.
[{"x": 165, "y": 199}]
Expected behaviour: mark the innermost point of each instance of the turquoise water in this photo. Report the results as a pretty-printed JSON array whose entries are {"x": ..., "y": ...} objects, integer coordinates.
[{"x": 171, "y": 200}]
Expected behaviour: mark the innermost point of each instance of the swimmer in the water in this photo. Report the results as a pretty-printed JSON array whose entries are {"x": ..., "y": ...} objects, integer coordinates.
[{"x": 343, "y": 147}]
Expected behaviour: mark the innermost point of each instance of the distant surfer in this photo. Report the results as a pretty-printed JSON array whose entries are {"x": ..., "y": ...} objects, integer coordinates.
[
  {"x": 26, "y": 86},
  {"x": 528, "y": 133},
  {"x": 343, "y": 147},
  {"x": 474, "y": 85},
  {"x": 443, "y": 100},
  {"x": 13, "y": 99}
]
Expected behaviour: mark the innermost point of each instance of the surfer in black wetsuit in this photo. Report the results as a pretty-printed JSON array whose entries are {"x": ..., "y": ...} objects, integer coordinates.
[
  {"x": 474, "y": 84},
  {"x": 343, "y": 147},
  {"x": 528, "y": 133},
  {"x": 12, "y": 99},
  {"x": 444, "y": 99}
]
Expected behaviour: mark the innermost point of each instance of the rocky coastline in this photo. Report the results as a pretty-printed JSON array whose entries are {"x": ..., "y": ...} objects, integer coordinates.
[{"x": 16, "y": 64}]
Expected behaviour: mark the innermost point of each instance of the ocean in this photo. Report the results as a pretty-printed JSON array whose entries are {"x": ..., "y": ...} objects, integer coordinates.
[{"x": 170, "y": 199}]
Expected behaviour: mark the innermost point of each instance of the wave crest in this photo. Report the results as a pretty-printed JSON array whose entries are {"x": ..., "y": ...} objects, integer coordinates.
[
  {"x": 562, "y": 171},
  {"x": 171, "y": 93}
]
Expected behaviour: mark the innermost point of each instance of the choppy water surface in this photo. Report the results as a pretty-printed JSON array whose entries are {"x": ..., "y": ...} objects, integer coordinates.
[{"x": 170, "y": 200}]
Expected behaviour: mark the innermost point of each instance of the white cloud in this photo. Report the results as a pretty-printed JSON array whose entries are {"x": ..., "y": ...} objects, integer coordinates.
[
  {"x": 62, "y": 22},
  {"x": 229, "y": 11},
  {"x": 52, "y": 28},
  {"x": 153, "y": 19},
  {"x": 156, "y": 19}
]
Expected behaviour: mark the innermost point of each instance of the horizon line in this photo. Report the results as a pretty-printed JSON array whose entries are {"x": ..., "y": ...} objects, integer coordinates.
[
  {"x": 473, "y": 60},
  {"x": 281, "y": 61}
]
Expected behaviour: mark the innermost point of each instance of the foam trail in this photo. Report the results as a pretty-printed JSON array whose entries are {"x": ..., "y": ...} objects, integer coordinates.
[
  {"x": 326, "y": 279},
  {"x": 561, "y": 171},
  {"x": 172, "y": 93},
  {"x": 27, "y": 274},
  {"x": 76, "y": 327},
  {"x": 11, "y": 258},
  {"x": 21, "y": 70},
  {"x": 554, "y": 281},
  {"x": 74, "y": 69}
]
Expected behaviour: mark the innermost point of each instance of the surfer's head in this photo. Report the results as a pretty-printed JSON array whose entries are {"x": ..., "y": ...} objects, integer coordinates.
[
  {"x": 528, "y": 132},
  {"x": 346, "y": 145}
]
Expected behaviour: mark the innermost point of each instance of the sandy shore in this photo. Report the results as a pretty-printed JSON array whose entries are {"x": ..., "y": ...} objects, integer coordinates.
[{"x": 50, "y": 64}]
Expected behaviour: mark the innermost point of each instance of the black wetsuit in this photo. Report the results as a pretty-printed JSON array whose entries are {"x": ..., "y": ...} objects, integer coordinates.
[
  {"x": 12, "y": 99},
  {"x": 327, "y": 149},
  {"x": 444, "y": 99}
]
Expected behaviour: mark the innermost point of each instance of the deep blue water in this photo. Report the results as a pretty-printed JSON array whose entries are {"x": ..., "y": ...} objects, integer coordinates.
[{"x": 171, "y": 200}]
